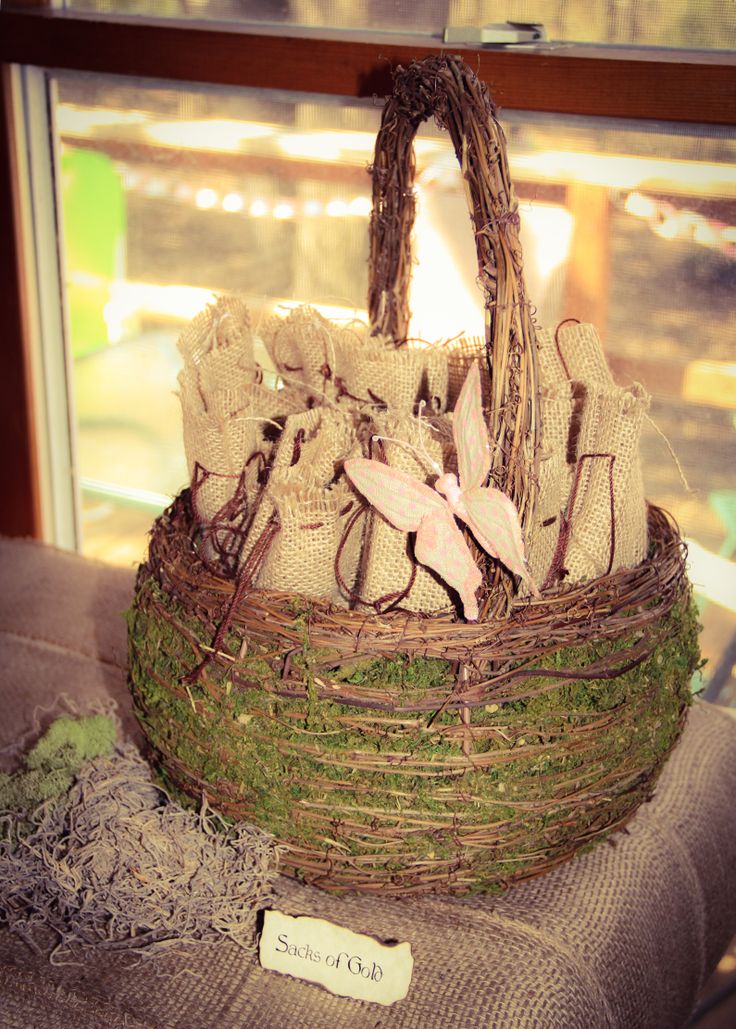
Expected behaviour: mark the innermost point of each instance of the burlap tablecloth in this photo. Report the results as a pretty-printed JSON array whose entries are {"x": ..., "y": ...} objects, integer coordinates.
[{"x": 623, "y": 936}]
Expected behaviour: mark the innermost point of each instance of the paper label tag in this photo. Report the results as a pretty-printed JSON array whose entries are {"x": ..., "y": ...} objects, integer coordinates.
[{"x": 346, "y": 963}]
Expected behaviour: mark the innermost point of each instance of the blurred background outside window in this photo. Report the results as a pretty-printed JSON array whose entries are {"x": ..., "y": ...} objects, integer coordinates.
[
  {"x": 708, "y": 24},
  {"x": 170, "y": 195}
]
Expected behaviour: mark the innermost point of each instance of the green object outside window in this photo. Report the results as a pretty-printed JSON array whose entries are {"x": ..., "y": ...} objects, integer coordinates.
[{"x": 94, "y": 213}]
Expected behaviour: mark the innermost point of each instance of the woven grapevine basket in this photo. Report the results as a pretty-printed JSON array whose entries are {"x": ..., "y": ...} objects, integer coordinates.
[{"x": 397, "y": 751}]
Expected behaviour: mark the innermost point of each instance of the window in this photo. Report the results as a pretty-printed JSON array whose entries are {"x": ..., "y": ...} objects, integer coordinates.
[{"x": 169, "y": 193}]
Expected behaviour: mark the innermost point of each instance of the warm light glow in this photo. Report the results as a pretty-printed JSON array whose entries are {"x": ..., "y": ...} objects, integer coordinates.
[
  {"x": 316, "y": 146},
  {"x": 640, "y": 205},
  {"x": 445, "y": 298},
  {"x": 334, "y": 144},
  {"x": 258, "y": 209},
  {"x": 710, "y": 382},
  {"x": 155, "y": 187},
  {"x": 332, "y": 312},
  {"x": 712, "y": 576},
  {"x": 220, "y": 134},
  {"x": 619, "y": 171},
  {"x": 283, "y": 211},
  {"x": 546, "y": 234},
  {"x": 337, "y": 208},
  {"x": 624, "y": 172},
  {"x": 705, "y": 232},
  {"x": 669, "y": 228},
  {"x": 360, "y": 206},
  {"x": 312, "y": 208},
  {"x": 130, "y": 300},
  {"x": 232, "y": 203},
  {"x": 205, "y": 198},
  {"x": 442, "y": 301},
  {"x": 727, "y": 964},
  {"x": 83, "y": 121}
]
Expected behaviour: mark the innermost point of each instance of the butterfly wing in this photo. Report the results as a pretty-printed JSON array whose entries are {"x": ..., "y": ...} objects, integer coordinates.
[
  {"x": 440, "y": 545},
  {"x": 470, "y": 433},
  {"x": 400, "y": 498},
  {"x": 494, "y": 520}
]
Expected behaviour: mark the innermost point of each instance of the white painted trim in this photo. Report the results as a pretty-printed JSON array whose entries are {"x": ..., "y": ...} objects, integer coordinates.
[{"x": 49, "y": 355}]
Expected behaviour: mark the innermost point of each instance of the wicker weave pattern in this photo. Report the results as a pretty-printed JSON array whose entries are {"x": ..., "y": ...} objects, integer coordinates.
[{"x": 477, "y": 780}]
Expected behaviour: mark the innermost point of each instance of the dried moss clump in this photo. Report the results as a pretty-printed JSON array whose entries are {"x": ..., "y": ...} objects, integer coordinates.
[{"x": 113, "y": 863}]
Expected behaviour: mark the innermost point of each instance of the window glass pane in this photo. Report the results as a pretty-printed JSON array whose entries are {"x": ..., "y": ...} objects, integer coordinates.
[
  {"x": 677, "y": 23},
  {"x": 170, "y": 195}
]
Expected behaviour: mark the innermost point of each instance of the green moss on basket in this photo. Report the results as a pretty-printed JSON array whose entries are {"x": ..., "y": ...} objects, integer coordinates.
[{"x": 325, "y": 774}]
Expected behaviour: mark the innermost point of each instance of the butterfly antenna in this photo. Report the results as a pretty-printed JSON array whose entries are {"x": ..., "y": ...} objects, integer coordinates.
[{"x": 434, "y": 465}]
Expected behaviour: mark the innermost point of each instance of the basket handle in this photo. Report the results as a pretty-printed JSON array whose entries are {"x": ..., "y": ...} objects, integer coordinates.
[{"x": 444, "y": 86}]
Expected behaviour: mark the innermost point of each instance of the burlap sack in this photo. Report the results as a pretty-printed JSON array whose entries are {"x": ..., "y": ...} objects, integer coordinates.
[
  {"x": 609, "y": 481},
  {"x": 218, "y": 343},
  {"x": 574, "y": 355},
  {"x": 313, "y": 445},
  {"x": 302, "y": 558},
  {"x": 460, "y": 354},
  {"x": 225, "y": 412},
  {"x": 334, "y": 363},
  {"x": 387, "y": 570},
  {"x": 308, "y": 353},
  {"x": 397, "y": 380},
  {"x": 311, "y": 509},
  {"x": 583, "y": 355},
  {"x": 589, "y": 463},
  {"x": 223, "y": 480}
]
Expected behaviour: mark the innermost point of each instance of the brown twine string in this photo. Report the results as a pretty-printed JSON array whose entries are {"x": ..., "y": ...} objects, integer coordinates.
[
  {"x": 344, "y": 588},
  {"x": 556, "y": 571},
  {"x": 299, "y": 437},
  {"x": 378, "y": 401},
  {"x": 264, "y": 469},
  {"x": 225, "y": 532},
  {"x": 343, "y": 391},
  {"x": 565, "y": 321},
  {"x": 245, "y": 582},
  {"x": 392, "y": 599}
]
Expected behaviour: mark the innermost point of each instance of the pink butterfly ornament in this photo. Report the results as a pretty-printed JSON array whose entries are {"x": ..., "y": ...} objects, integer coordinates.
[{"x": 412, "y": 506}]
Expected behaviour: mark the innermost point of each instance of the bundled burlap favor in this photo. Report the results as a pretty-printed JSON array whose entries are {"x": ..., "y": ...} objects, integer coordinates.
[
  {"x": 226, "y": 412},
  {"x": 591, "y": 517},
  {"x": 309, "y": 507}
]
